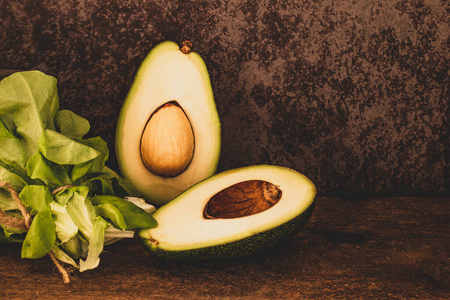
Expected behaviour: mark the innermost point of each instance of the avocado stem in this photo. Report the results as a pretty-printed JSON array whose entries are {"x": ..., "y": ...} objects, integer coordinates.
[{"x": 186, "y": 47}]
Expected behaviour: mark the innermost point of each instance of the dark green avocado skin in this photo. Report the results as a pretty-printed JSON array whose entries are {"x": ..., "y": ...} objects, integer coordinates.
[{"x": 238, "y": 249}]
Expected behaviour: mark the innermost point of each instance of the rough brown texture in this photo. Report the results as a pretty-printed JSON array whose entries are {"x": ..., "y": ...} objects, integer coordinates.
[
  {"x": 352, "y": 93},
  {"x": 378, "y": 248},
  {"x": 242, "y": 199}
]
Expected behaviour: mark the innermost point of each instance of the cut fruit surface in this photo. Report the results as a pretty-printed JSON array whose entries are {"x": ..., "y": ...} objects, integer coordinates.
[
  {"x": 168, "y": 76},
  {"x": 186, "y": 229}
]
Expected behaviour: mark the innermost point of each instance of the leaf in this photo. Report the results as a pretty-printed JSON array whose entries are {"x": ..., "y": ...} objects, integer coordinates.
[
  {"x": 140, "y": 202},
  {"x": 32, "y": 100},
  {"x": 80, "y": 209},
  {"x": 94, "y": 165},
  {"x": 63, "y": 150},
  {"x": 64, "y": 257},
  {"x": 4, "y": 131},
  {"x": 38, "y": 197},
  {"x": 41, "y": 236},
  {"x": 38, "y": 167},
  {"x": 65, "y": 227},
  {"x": 126, "y": 188},
  {"x": 134, "y": 216},
  {"x": 8, "y": 124},
  {"x": 6, "y": 201},
  {"x": 71, "y": 125},
  {"x": 12, "y": 152},
  {"x": 109, "y": 211},
  {"x": 10, "y": 145},
  {"x": 13, "y": 179},
  {"x": 100, "y": 184},
  {"x": 6, "y": 237},
  {"x": 95, "y": 245},
  {"x": 73, "y": 247},
  {"x": 9, "y": 231}
]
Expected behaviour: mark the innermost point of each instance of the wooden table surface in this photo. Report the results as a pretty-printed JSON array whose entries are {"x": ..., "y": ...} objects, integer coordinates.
[{"x": 389, "y": 248}]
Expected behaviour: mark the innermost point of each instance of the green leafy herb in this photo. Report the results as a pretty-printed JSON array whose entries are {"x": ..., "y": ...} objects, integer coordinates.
[
  {"x": 65, "y": 226},
  {"x": 114, "y": 207},
  {"x": 75, "y": 202},
  {"x": 95, "y": 245},
  {"x": 41, "y": 236}
]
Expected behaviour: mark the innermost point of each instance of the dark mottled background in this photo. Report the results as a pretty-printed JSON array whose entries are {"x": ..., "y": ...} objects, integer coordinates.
[{"x": 354, "y": 94}]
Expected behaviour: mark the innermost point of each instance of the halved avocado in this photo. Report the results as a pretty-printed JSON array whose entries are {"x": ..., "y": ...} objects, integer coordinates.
[
  {"x": 232, "y": 214},
  {"x": 169, "y": 77}
]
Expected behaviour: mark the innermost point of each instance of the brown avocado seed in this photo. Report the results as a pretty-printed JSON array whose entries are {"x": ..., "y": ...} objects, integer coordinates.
[
  {"x": 167, "y": 142},
  {"x": 242, "y": 199}
]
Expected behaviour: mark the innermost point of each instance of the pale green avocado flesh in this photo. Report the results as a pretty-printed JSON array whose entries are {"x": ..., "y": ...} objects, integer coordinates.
[
  {"x": 168, "y": 75},
  {"x": 183, "y": 233}
]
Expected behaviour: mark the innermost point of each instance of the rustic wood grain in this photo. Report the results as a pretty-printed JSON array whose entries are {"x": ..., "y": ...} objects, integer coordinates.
[{"x": 394, "y": 248}]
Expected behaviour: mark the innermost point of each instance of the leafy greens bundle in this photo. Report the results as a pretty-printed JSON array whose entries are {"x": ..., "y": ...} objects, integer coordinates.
[{"x": 60, "y": 177}]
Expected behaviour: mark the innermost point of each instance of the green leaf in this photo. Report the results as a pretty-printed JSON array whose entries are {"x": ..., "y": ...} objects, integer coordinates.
[
  {"x": 41, "y": 237},
  {"x": 65, "y": 227},
  {"x": 8, "y": 124},
  {"x": 10, "y": 231},
  {"x": 94, "y": 165},
  {"x": 64, "y": 257},
  {"x": 134, "y": 216},
  {"x": 6, "y": 237},
  {"x": 62, "y": 197},
  {"x": 80, "y": 170},
  {"x": 4, "y": 130},
  {"x": 41, "y": 148},
  {"x": 38, "y": 197},
  {"x": 71, "y": 124},
  {"x": 123, "y": 187},
  {"x": 13, "y": 179},
  {"x": 6, "y": 201},
  {"x": 100, "y": 185},
  {"x": 80, "y": 209},
  {"x": 32, "y": 100},
  {"x": 73, "y": 247},
  {"x": 95, "y": 245},
  {"x": 38, "y": 167},
  {"x": 63, "y": 150},
  {"x": 13, "y": 154},
  {"x": 109, "y": 211},
  {"x": 140, "y": 202}
]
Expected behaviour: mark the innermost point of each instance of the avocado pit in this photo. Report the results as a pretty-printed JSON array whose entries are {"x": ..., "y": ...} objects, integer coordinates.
[
  {"x": 167, "y": 142},
  {"x": 242, "y": 199}
]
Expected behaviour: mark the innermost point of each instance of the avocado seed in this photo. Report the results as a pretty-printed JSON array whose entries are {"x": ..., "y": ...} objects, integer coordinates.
[
  {"x": 242, "y": 199},
  {"x": 167, "y": 142}
]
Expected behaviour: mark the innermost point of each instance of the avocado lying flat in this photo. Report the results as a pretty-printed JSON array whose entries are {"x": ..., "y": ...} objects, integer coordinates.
[
  {"x": 232, "y": 214},
  {"x": 168, "y": 132}
]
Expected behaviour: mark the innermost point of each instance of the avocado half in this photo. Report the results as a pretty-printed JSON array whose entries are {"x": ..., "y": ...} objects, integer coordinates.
[
  {"x": 168, "y": 75},
  {"x": 187, "y": 231}
]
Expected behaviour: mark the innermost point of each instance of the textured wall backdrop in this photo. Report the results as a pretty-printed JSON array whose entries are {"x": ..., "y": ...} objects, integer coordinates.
[{"x": 354, "y": 94}]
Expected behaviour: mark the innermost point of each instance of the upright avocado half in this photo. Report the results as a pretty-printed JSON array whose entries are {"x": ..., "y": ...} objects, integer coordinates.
[
  {"x": 232, "y": 214},
  {"x": 168, "y": 132}
]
